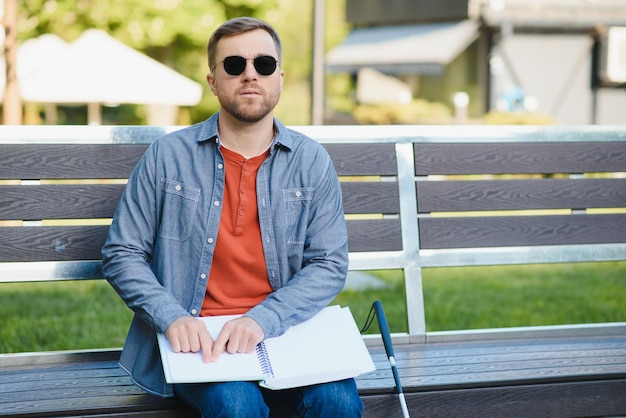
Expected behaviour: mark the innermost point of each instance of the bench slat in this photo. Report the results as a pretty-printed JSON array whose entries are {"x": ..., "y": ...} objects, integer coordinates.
[
  {"x": 100, "y": 405},
  {"x": 69, "y": 161},
  {"x": 51, "y": 243},
  {"x": 514, "y": 158},
  {"x": 374, "y": 235},
  {"x": 363, "y": 159},
  {"x": 59, "y": 201},
  {"x": 66, "y": 243},
  {"x": 370, "y": 197},
  {"x": 565, "y": 400},
  {"x": 84, "y": 201},
  {"x": 506, "y": 231},
  {"x": 437, "y": 196}
]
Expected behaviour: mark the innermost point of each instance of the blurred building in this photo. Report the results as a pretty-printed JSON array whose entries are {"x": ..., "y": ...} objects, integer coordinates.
[{"x": 562, "y": 58}]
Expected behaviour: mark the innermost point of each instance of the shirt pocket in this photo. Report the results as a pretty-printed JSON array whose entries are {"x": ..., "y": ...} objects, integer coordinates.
[
  {"x": 296, "y": 206},
  {"x": 180, "y": 203}
]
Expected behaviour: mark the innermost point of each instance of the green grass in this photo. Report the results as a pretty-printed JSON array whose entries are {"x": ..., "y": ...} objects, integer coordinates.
[
  {"x": 61, "y": 316},
  {"x": 525, "y": 296},
  {"x": 89, "y": 314},
  {"x": 503, "y": 296}
]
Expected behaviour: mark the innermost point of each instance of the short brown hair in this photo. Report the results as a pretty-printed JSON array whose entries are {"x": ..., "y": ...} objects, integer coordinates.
[{"x": 237, "y": 26}]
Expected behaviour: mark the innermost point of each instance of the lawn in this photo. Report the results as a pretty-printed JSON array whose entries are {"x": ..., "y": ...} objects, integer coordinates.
[
  {"x": 89, "y": 314},
  {"x": 504, "y": 296}
]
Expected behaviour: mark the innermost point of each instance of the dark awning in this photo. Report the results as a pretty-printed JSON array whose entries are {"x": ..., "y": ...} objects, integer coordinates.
[{"x": 411, "y": 49}]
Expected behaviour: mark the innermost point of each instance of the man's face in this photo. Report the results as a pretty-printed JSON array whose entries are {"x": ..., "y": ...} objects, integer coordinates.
[{"x": 249, "y": 96}]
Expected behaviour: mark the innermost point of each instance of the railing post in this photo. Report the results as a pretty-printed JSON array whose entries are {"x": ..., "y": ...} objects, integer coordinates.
[{"x": 410, "y": 241}]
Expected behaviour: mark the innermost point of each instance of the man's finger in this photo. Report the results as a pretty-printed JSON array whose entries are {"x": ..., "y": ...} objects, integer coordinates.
[
  {"x": 206, "y": 344},
  {"x": 219, "y": 346},
  {"x": 174, "y": 343}
]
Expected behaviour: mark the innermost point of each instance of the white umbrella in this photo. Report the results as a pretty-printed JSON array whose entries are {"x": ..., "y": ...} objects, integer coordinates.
[
  {"x": 37, "y": 53},
  {"x": 32, "y": 55},
  {"x": 98, "y": 68}
]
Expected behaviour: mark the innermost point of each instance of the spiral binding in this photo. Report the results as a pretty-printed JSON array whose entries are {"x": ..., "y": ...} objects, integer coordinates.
[{"x": 264, "y": 360}]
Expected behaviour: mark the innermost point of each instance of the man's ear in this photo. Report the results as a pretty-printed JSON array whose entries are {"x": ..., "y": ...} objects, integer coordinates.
[{"x": 210, "y": 78}]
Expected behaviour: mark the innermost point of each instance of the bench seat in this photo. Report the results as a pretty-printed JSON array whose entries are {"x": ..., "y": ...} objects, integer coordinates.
[{"x": 557, "y": 377}]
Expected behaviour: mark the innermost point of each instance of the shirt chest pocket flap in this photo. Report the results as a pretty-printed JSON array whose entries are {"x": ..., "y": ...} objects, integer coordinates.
[
  {"x": 296, "y": 204},
  {"x": 180, "y": 203}
]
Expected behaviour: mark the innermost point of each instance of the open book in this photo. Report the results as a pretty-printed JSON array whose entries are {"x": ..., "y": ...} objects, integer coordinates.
[{"x": 325, "y": 348}]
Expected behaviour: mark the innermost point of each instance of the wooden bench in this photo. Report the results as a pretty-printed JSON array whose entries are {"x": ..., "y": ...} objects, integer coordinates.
[{"x": 405, "y": 195}]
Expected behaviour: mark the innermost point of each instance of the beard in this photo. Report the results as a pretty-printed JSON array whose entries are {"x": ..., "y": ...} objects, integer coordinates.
[{"x": 249, "y": 110}]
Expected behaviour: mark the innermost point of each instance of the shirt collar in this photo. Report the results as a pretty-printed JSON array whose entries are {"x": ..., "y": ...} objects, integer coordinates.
[{"x": 209, "y": 132}]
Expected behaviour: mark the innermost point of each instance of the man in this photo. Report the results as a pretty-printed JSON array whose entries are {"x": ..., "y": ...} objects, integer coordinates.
[{"x": 234, "y": 215}]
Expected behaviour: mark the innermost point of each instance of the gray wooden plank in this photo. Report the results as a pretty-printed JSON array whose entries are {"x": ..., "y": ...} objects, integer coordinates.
[
  {"x": 51, "y": 243},
  {"x": 574, "y": 399},
  {"x": 370, "y": 197},
  {"x": 74, "y": 389},
  {"x": 69, "y": 161},
  {"x": 59, "y": 201},
  {"x": 519, "y": 158},
  {"x": 374, "y": 235},
  {"x": 89, "y": 406},
  {"x": 63, "y": 243},
  {"x": 84, "y": 201},
  {"x": 587, "y": 346},
  {"x": 363, "y": 159},
  {"x": 450, "y": 196},
  {"x": 20, "y": 380},
  {"x": 496, "y": 231},
  {"x": 487, "y": 363}
]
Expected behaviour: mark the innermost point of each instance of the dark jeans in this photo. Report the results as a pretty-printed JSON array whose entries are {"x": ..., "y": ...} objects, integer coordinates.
[{"x": 248, "y": 399}]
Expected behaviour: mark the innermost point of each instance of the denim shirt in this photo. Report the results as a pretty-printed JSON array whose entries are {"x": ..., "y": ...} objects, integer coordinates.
[{"x": 160, "y": 246}]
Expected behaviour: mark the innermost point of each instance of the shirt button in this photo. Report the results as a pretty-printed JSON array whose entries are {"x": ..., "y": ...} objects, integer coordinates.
[
  {"x": 203, "y": 276},
  {"x": 298, "y": 193},
  {"x": 210, "y": 240},
  {"x": 216, "y": 203},
  {"x": 177, "y": 188},
  {"x": 220, "y": 166},
  {"x": 193, "y": 311}
]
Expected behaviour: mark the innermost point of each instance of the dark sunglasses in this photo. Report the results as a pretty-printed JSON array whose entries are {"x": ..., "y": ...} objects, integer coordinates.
[{"x": 236, "y": 65}]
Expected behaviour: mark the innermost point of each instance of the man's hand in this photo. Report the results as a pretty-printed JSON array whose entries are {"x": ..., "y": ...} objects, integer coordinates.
[
  {"x": 239, "y": 335},
  {"x": 188, "y": 334}
]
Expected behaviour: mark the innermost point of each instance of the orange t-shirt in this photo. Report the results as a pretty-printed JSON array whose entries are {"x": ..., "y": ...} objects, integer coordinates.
[{"x": 238, "y": 278}]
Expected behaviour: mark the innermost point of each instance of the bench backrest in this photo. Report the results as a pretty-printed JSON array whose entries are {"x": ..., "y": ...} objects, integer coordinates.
[
  {"x": 414, "y": 197},
  {"x": 58, "y": 194}
]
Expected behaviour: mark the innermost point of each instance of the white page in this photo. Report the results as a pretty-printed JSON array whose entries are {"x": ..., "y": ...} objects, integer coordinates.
[{"x": 326, "y": 348}]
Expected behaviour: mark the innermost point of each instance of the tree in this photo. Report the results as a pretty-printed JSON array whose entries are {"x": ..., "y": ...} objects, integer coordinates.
[{"x": 12, "y": 105}]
